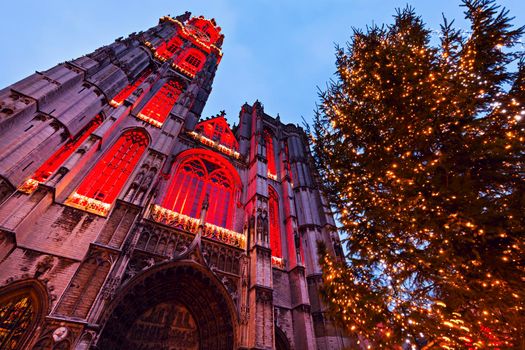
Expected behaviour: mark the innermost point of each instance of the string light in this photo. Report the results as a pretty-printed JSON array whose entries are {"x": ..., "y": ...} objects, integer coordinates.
[{"x": 421, "y": 150}]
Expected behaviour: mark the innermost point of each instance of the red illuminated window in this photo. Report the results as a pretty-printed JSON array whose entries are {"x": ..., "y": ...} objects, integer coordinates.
[
  {"x": 52, "y": 164},
  {"x": 160, "y": 105},
  {"x": 192, "y": 61},
  {"x": 167, "y": 49},
  {"x": 104, "y": 182},
  {"x": 197, "y": 176},
  {"x": 16, "y": 317},
  {"x": 58, "y": 158},
  {"x": 275, "y": 227},
  {"x": 270, "y": 155},
  {"x": 124, "y": 93}
]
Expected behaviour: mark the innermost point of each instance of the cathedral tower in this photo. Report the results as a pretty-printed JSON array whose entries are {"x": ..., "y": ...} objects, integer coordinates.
[{"x": 128, "y": 222}]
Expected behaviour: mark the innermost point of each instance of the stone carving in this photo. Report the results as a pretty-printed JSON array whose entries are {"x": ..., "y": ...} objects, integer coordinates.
[
  {"x": 43, "y": 266},
  {"x": 149, "y": 263},
  {"x": 262, "y": 225},
  {"x": 60, "y": 334},
  {"x": 297, "y": 242}
]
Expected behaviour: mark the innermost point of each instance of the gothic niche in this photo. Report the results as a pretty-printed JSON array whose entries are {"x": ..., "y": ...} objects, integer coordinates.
[{"x": 172, "y": 324}]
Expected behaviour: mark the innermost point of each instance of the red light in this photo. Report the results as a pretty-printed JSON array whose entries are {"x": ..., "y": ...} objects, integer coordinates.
[
  {"x": 195, "y": 177},
  {"x": 217, "y": 129},
  {"x": 160, "y": 105},
  {"x": 270, "y": 155},
  {"x": 192, "y": 60},
  {"x": 56, "y": 160},
  {"x": 167, "y": 49},
  {"x": 124, "y": 93},
  {"x": 275, "y": 228},
  {"x": 105, "y": 181}
]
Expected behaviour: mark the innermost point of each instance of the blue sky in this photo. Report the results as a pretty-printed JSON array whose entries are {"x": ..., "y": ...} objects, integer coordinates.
[{"x": 274, "y": 51}]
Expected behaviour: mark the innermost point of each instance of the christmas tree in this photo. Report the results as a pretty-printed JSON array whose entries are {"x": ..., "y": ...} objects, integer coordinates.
[{"x": 421, "y": 148}]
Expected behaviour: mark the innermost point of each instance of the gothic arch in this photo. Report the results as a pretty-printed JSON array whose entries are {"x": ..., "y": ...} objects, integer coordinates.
[
  {"x": 102, "y": 185},
  {"x": 281, "y": 340},
  {"x": 23, "y": 306},
  {"x": 201, "y": 172},
  {"x": 159, "y": 105},
  {"x": 184, "y": 283},
  {"x": 269, "y": 142}
]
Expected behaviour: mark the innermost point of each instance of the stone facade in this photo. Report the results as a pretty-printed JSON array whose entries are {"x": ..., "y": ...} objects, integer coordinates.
[{"x": 126, "y": 221}]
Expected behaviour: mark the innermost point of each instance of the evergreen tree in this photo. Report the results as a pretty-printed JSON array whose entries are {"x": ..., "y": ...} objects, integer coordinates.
[{"x": 421, "y": 149}]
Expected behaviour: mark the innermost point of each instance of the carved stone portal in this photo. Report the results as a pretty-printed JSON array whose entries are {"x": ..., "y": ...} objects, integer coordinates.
[{"x": 168, "y": 326}]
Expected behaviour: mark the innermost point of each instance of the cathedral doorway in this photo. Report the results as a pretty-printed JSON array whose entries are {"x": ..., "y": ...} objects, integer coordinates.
[{"x": 172, "y": 306}]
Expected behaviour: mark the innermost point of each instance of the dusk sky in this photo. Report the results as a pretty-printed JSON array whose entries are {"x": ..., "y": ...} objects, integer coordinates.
[{"x": 276, "y": 51}]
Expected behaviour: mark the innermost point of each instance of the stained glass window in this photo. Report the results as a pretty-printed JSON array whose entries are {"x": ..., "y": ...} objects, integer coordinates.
[
  {"x": 275, "y": 227},
  {"x": 194, "y": 178},
  {"x": 16, "y": 316},
  {"x": 270, "y": 155},
  {"x": 192, "y": 61},
  {"x": 124, "y": 93},
  {"x": 167, "y": 49},
  {"x": 160, "y": 105},
  {"x": 57, "y": 159},
  {"x": 104, "y": 182}
]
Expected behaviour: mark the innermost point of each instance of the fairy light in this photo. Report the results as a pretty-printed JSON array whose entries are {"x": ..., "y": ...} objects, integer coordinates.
[{"x": 420, "y": 150}]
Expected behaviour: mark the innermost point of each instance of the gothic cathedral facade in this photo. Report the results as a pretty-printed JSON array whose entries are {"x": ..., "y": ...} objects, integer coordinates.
[{"x": 128, "y": 222}]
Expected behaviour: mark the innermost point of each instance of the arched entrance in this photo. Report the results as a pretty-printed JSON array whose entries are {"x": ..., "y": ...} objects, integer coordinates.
[{"x": 175, "y": 305}]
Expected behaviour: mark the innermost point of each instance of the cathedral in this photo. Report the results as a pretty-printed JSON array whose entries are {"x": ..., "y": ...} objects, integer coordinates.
[{"x": 127, "y": 221}]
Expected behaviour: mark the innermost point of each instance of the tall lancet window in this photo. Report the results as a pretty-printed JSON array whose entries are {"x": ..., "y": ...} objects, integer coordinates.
[
  {"x": 128, "y": 90},
  {"x": 159, "y": 106},
  {"x": 270, "y": 154},
  {"x": 275, "y": 227},
  {"x": 54, "y": 162},
  {"x": 103, "y": 183},
  {"x": 198, "y": 175}
]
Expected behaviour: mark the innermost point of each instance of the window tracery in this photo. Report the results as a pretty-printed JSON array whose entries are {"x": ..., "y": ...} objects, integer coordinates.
[
  {"x": 160, "y": 105},
  {"x": 128, "y": 90},
  {"x": 59, "y": 157},
  {"x": 16, "y": 316},
  {"x": 167, "y": 49},
  {"x": 101, "y": 186},
  {"x": 191, "y": 61},
  {"x": 196, "y": 177}
]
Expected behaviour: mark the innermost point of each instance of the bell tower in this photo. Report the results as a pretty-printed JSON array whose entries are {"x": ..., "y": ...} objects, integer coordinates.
[{"x": 129, "y": 221}]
